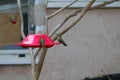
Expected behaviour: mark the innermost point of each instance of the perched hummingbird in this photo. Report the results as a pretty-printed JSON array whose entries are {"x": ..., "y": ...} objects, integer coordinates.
[
  {"x": 60, "y": 39},
  {"x": 42, "y": 43}
]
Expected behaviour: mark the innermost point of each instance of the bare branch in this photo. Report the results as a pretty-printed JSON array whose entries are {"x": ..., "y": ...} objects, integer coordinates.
[
  {"x": 105, "y": 74},
  {"x": 40, "y": 63},
  {"x": 104, "y": 4},
  {"x": 32, "y": 62},
  {"x": 63, "y": 22},
  {"x": 78, "y": 17},
  {"x": 37, "y": 52},
  {"x": 56, "y": 29},
  {"x": 61, "y": 9},
  {"x": 21, "y": 18},
  {"x": 75, "y": 13}
]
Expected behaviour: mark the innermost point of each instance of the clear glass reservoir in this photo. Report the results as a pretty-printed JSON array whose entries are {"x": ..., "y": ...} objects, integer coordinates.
[{"x": 37, "y": 22}]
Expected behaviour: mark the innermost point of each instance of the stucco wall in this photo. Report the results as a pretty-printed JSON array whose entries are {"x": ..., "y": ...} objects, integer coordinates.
[{"x": 93, "y": 44}]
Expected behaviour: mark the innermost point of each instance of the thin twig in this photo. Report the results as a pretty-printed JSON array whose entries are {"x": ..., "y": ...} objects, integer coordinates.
[
  {"x": 75, "y": 13},
  {"x": 77, "y": 19},
  {"x": 61, "y": 9},
  {"x": 56, "y": 29},
  {"x": 104, "y": 4},
  {"x": 21, "y": 18},
  {"x": 63, "y": 22},
  {"x": 37, "y": 51},
  {"x": 105, "y": 74},
  {"x": 32, "y": 62}
]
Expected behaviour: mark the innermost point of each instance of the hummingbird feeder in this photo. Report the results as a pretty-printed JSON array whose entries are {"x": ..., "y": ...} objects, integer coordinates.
[
  {"x": 37, "y": 19},
  {"x": 33, "y": 40},
  {"x": 13, "y": 20}
]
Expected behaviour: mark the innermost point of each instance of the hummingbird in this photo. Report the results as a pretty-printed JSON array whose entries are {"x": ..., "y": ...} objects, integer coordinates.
[
  {"x": 60, "y": 39},
  {"x": 42, "y": 43}
]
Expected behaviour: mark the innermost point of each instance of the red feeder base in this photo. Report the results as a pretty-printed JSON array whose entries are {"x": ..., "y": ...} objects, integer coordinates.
[
  {"x": 14, "y": 21},
  {"x": 33, "y": 40}
]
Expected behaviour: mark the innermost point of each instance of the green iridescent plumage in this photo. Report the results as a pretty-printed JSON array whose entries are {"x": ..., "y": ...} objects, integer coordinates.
[
  {"x": 42, "y": 43},
  {"x": 60, "y": 39}
]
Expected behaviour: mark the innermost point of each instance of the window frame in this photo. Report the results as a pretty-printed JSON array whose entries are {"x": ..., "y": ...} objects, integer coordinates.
[
  {"x": 8, "y": 57},
  {"x": 79, "y": 3}
]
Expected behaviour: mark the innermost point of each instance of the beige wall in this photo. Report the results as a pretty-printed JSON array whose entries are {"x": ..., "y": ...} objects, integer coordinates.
[
  {"x": 93, "y": 44},
  {"x": 8, "y": 29}
]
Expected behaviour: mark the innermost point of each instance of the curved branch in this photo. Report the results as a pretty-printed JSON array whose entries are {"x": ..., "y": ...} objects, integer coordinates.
[
  {"x": 104, "y": 4},
  {"x": 21, "y": 18},
  {"x": 61, "y": 9},
  {"x": 63, "y": 22},
  {"x": 79, "y": 17},
  {"x": 75, "y": 13}
]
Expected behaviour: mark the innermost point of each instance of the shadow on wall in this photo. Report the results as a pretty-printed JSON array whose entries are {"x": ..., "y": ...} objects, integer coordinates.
[{"x": 105, "y": 77}]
